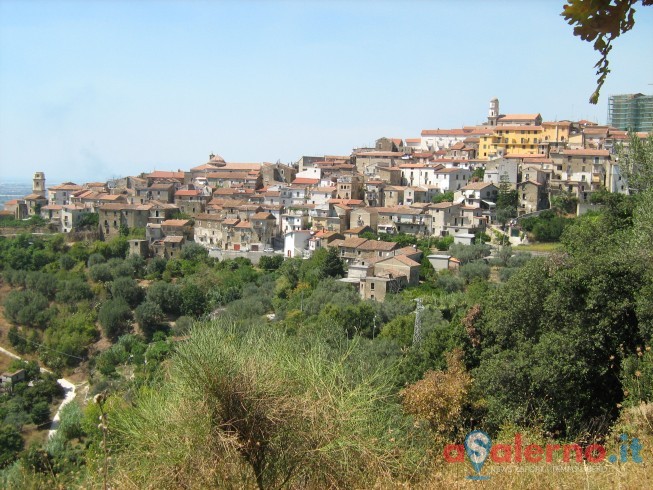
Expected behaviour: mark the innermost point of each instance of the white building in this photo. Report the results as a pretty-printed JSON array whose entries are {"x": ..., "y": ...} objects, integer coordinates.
[{"x": 295, "y": 243}]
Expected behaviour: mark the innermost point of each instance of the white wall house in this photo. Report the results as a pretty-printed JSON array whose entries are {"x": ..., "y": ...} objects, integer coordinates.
[
  {"x": 441, "y": 139},
  {"x": 295, "y": 243}
]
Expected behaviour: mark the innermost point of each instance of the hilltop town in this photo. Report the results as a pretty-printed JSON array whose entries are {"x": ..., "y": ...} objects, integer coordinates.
[{"x": 446, "y": 183}]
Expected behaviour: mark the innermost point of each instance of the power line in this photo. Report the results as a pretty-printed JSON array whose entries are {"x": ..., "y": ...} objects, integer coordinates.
[{"x": 49, "y": 348}]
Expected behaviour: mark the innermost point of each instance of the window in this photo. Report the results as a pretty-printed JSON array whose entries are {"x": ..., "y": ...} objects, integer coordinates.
[{"x": 372, "y": 286}]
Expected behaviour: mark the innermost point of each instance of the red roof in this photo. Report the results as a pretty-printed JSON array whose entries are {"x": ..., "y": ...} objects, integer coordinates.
[
  {"x": 305, "y": 180},
  {"x": 194, "y": 192}
]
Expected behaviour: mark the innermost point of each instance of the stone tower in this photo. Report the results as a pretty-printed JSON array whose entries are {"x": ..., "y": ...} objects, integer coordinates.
[
  {"x": 493, "y": 113},
  {"x": 38, "y": 184}
]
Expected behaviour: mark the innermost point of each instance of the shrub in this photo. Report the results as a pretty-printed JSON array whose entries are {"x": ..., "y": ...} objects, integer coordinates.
[
  {"x": 101, "y": 273},
  {"x": 438, "y": 398},
  {"x": 126, "y": 288},
  {"x": 475, "y": 270},
  {"x": 449, "y": 282},
  {"x": 166, "y": 295},
  {"x": 115, "y": 316},
  {"x": 270, "y": 263},
  {"x": 149, "y": 316},
  {"x": 469, "y": 253}
]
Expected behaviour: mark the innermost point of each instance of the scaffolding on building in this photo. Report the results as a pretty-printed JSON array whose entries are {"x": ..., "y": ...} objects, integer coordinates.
[{"x": 631, "y": 112}]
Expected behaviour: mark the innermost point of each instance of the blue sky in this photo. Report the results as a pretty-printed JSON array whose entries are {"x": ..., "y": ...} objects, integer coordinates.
[{"x": 95, "y": 89}]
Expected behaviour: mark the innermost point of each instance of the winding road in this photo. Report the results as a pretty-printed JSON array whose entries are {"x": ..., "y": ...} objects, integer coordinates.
[{"x": 68, "y": 387}]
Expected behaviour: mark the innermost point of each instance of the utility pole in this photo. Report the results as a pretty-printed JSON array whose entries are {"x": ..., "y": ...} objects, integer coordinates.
[{"x": 417, "y": 332}]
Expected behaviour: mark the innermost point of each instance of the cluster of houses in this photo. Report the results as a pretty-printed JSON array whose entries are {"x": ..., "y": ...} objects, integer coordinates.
[{"x": 332, "y": 201}]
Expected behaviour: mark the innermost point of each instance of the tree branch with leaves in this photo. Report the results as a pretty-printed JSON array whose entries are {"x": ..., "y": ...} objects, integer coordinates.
[{"x": 601, "y": 22}]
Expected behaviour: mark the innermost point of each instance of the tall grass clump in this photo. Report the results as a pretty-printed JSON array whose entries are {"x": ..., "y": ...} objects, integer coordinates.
[{"x": 253, "y": 407}]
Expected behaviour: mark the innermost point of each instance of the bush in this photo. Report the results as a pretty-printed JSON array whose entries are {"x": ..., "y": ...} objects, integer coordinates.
[
  {"x": 155, "y": 267},
  {"x": 193, "y": 300},
  {"x": 11, "y": 443},
  {"x": 101, "y": 273},
  {"x": 73, "y": 291},
  {"x": 469, "y": 253},
  {"x": 475, "y": 270},
  {"x": 270, "y": 263},
  {"x": 27, "y": 307},
  {"x": 519, "y": 259},
  {"x": 70, "y": 421},
  {"x": 126, "y": 288},
  {"x": 149, "y": 316},
  {"x": 95, "y": 259},
  {"x": 182, "y": 325},
  {"x": 40, "y": 413},
  {"x": 44, "y": 283},
  {"x": 115, "y": 316},
  {"x": 166, "y": 295},
  {"x": 449, "y": 282}
]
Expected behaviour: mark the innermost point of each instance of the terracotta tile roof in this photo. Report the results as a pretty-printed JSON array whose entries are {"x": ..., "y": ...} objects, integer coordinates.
[
  {"x": 231, "y": 221},
  {"x": 443, "y": 132},
  {"x": 362, "y": 154},
  {"x": 356, "y": 230},
  {"x": 378, "y": 245},
  {"x": 114, "y": 207},
  {"x": 336, "y": 243},
  {"x": 244, "y": 224},
  {"x": 346, "y": 202},
  {"x": 586, "y": 152},
  {"x": 160, "y": 187},
  {"x": 173, "y": 239},
  {"x": 450, "y": 170},
  {"x": 66, "y": 186},
  {"x": 398, "y": 210},
  {"x": 195, "y": 192},
  {"x": 262, "y": 215},
  {"x": 517, "y": 127},
  {"x": 305, "y": 180},
  {"x": 442, "y": 205},
  {"x": 525, "y": 155},
  {"x": 228, "y": 175},
  {"x": 175, "y": 222},
  {"x": 353, "y": 242},
  {"x": 407, "y": 250},
  {"x": 530, "y": 181},
  {"x": 401, "y": 258},
  {"x": 474, "y": 186},
  {"x": 206, "y": 166},
  {"x": 209, "y": 217},
  {"x": 324, "y": 189},
  {"x": 412, "y": 165},
  {"x": 160, "y": 174},
  {"x": 34, "y": 197},
  {"x": 413, "y": 140},
  {"x": 241, "y": 166}
]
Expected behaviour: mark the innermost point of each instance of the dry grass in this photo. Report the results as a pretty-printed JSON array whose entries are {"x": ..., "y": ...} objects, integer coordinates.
[{"x": 537, "y": 247}]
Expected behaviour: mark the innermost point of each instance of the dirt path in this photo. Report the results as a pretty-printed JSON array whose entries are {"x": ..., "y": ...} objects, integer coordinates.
[{"x": 68, "y": 387}]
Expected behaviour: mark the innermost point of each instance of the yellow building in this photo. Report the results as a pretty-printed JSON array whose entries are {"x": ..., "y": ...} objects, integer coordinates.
[
  {"x": 510, "y": 140},
  {"x": 555, "y": 135}
]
